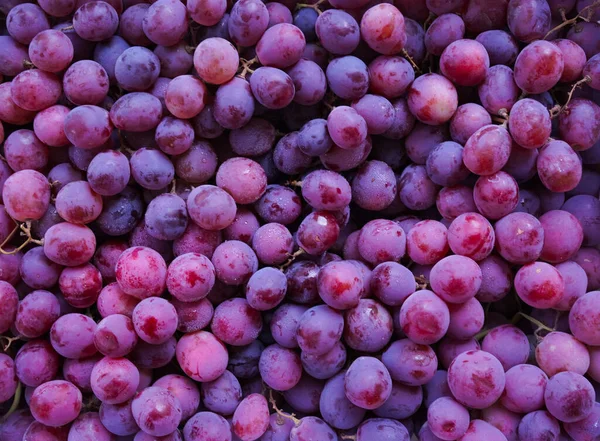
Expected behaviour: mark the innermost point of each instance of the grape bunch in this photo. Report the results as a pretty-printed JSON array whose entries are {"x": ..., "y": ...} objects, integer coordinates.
[{"x": 247, "y": 220}]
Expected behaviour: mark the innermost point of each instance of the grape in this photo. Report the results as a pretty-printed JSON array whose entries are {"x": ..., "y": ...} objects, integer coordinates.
[
  {"x": 447, "y": 419},
  {"x": 24, "y": 151},
  {"x": 35, "y": 89},
  {"x": 335, "y": 407},
  {"x": 80, "y": 285},
  {"x": 77, "y": 203},
  {"x": 190, "y": 277},
  {"x": 222, "y": 395},
  {"x": 284, "y": 324},
  {"x": 500, "y": 45},
  {"x": 487, "y": 150},
  {"x": 560, "y": 352},
  {"x": 86, "y": 82},
  {"x": 528, "y": 20},
  {"x": 154, "y": 320},
  {"x": 36, "y": 363},
  {"x": 157, "y": 411},
  {"x": 137, "y": 69},
  {"x": 121, "y": 212},
  {"x": 340, "y": 285},
  {"x": 499, "y": 90},
  {"x": 36, "y": 314},
  {"x": 236, "y": 323},
  {"x": 471, "y": 235},
  {"x": 373, "y": 187},
  {"x": 528, "y": 77},
  {"x": 582, "y": 317},
  {"x": 451, "y": 202},
  {"x": 48, "y": 126},
  {"x": 476, "y": 379},
  {"x": 141, "y": 272},
  {"x": 95, "y": 21},
  {"x": 115, "y": 336},
  {"x": 25, "y": 21},
  {"x": 460, "y": 53},
  {"x": 504, "y": 420},
  {"x": 524, "y": 390},
  {"x": 456, "y": 279},
  {"x": 16, "y": 425},
  {"x": 89, "y": 425},
  {"x": 479, "y": 429},
  {"x": 381, "y": 240},
  {"x": 193, "y": 355},
  {"x": 382, "y": 28},
  {"x": 280, "y": 368},
  {"x": 519, "y": 238},
  {"x": 579, "y": 137},
  {"x": 165, "y": 22},
  {"x": 586, "y": 209},
  {"x": 9, "y": 301},
  {"x": 498, "y": 341},
  {"x": 442, "y": 31},
  {"x": 281, "y": 46},
  {"x": 450, "y": 348},
  {"x": 11, "y": 57},
  {"x": 206, "y": 12},
  {"x": 216, "y": 60},
  {"x": 569, "y": 397},
  {"x": 309, "y": 82},
  {"x": 88, "y": 126},
  {"x": 136, "y": 112},
  {"x": 206, "y": 426},
  {"x": 410, "y": 363},
  {"x": 586, "y": 37},
  {"x": 574, "y": 58},
  {"x": 445, "y": 164},
  {"x": 432, "y": 99},
  {"x": 56, "y": 403},
  {"x": 539, "y": 285},
  {"x": 337, "y": 31},
  {"x": 496, "y": 195},
  {"x": 559, "y": 247},
  {"x": 348, "y": 77},
  {"x": 234, "y": 103},
  {"x": 390, "y": 76},
  {"x": 108, "y": 173},
  {"x": 586, "y": 427},
  {"x": 367, "y": 383},
  {"x": 319, "y": 329},
  {"x": 248, "y": 21},
  {"x": 424, "y": 317},
  {"x": 131, "y": 25},
  {"x": 266, "y": 288},
  {"x": 529, "y": 123},
  {"x": 54, "y": 45}
]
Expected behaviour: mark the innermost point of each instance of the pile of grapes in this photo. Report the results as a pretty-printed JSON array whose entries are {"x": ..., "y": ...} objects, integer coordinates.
[{"x": 335, "y": 220}]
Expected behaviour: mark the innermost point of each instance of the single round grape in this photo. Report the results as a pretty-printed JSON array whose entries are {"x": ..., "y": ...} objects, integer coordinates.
[
  {"x": 108, "y": 173},
  {"x": 471, "y": 235},
  {"x": 80, "y": 285},
  {"x": 367, "y": 383},
  {"x": 280, "y": 368},
  {"x": 487, "y": 150},
  {"x": 131, "y": 25},
  {"x": 560, "y": 352},
  {"x": 519, "y": 238},
  {"x": 48, "y": 126},
  {"x": 165, "y": 22},
  {"x": 582, "y": 318},
  {"x": 424, "y": 317},
  {"x": 89, "y": 425},
  {"x": 9, "y": 301},
  {"x": 451, "y": 202},
  {"x": 69, "y": 244},
  {"x": 222, "y": 395},
  {"x": 456, "y": 279},
  {"x": 447, "y": 418},
  {"x": 461, "y": 53},
  {"x": 95, "y": 21},
  {"x": 25, "y": 21},
  {"x": 88, "y": 126},
  {"x": 273, "y": 244},
  {"x": 338, "y": 32},
  {"x": 335, "y": 408},
  {"x": 569, "y": 397},
  {"x": 563, "y": 235},
  {"x": 340, "y": 284},
  {"x": 136, "y": 112},
  {"x": 77, "y": 203},
  {"x": 339, "y": 159},
  {"x": 236, "y": 323},
  {"x": 348, "y": 77},
  {"x": 243, "y": 227},
  {"x": 35, "y": 89},
  {"x": 570, "y": 128},
  {"x": 251, "y": 418},
  {"x": 382, "y": 28},
  {"x": 392, "y": 283},
  {"x": 498, "y": 91},
  {"x": 10, "y": 112},
  {"x": 575, "y": 60},
  {"x": 527, "y": 75},
  {"x": 209, "y": 425},
  {"x": 466, "y": 319},
  {"x": 157, "y": 411},
  {"x": 524, "y": 390},
  {"x": 529, "y": 20},
  {"x": 281, "y": 46},
  {"x": 390, "y": 76},
  {"x": 432, "y": 99},
  {"x": 206, "y": 12},
  {"x": 137, "y": 69},
  {"x": 309, "y": 81},
  {"x": 576, "y": 282},
  {"x": 216, "y": 60},
  {"x": 141, "y": 272},
  {"x": 234, "y": 262},
  {"x": 190, "y": 277},
  {"x": 51, "y": 50},
  {"x": 12, "y": 56},
  {"x": 56, "y": 403},
  {"x": 107, "y": 52},
  {"x": 539, "y": 285},
  {"x": 374, "y": 186},
  {"x": 529, "y": 123},
  {"x": 115, "y": 336},
  {"x": 86, "y": 82},
  {"x": 442, "y": 31},
  {"x": 410, "y": 363},
  {"x": 496, "y": 195},
  {"x": 319, "y": 329},
  {"x": 248, "y": 21},
  {"x": 476, "y": 379},
  {"x": 154, "y": 320},
  {"x": 317, "y": 232},
  {"x": 36, "y": 363},
  {"x": 234, "y": 103},
  {"x": 24, "y": 151}
]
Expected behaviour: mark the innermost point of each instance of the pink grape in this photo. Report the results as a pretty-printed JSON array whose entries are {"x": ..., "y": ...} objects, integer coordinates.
[
  {"x": 432, "y": 99},
  {"x": 560, "y": 352},
  {"x": 539, "y": 285},
  {"x": 476, "y": 379},
  {"x": 519, "y": 238},
  {"x": 56, "y": 403},
  {"x": 583, "y": 318},
  {"x": 25, "y": 21},
  {"x": 496, "y": 195},
  {"x": 165, "y": 22},
  {"x": 528, "y": 77},
  {"x": 216, "y": 60},
  {"x": 461, "y": 53},
  {"x": 368, "y": 383},
  {"x": 369, "y": 318},
  {"x": 157, "y": 411},
  {"x": 456, "y": 279},
  {"x": 471, "y": 235},
  {"x": 424, "y": 317},
  {"x": 35, "y": 89},
  {"x": 95, "y": 21},
  {"x": 280, "y": 46},
  {"x": 569, "y": 397},
  {"x": 382, "y": 28},
  {"x": 51, "y": 51}
]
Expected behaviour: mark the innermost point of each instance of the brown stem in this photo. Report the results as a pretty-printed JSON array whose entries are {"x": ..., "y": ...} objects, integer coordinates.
[
  {"x": 9, "y": 340},
  {"x": 279, "y": 412},
  {"x": 579, "y": 83},
  {"x": 190, "y": 49},
  {"x": 411, "y": 61},
  {"x": 580, "y": 16},
  {"x": 291, "y": 259},
  {"x": 344, "y": 436},
  {"x": 428, "y": 21},
  {"x": 173, "y": 187},
  {"x": 28, "y": 64},
  {"x": 67, "y": 28},
  {"x": 313, "y": 6},
  {"x": 246, "y": 67},
  {"x": 422, "y": 282},
  {"x": 293, "y": 183},
  {"x": 25, "y": 231},
  {"x": 503, "y": 113}
]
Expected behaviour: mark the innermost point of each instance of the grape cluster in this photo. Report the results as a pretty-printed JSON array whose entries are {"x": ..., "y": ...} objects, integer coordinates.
[{"x": 368, "y": 220}]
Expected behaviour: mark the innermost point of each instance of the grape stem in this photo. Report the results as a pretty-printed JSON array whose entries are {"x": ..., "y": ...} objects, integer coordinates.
[
  {"x": 588, "y": 10},
  {"x": 422, "y": 282},
  {"x": 313, "y": 6},
  {"x": 190, "y": 49},
  {"x": 411, "y": 61},
  {"x": 28, "y": 64},
  {"x": 281, "y": 413},
  {"x": 293, "y": 183},
  {"x": 428, "y": 20},
  {"x": 173, "y": 187},
  {"x": 67, "y": 28},
  {"x": 536, "y": 322},
  {"x": 344, "y": 436},
  {"x": 25, "y": 228},
  {"x": 246, "y": 67},
  {"x": 9, "y": 340},
  {"x": 554, "y": 112},
  {"x": 16, "y": 401},
  {"x": 291, "y": 259}
]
